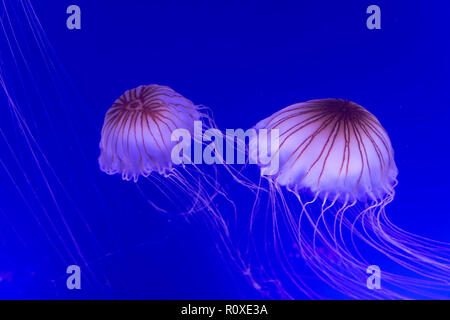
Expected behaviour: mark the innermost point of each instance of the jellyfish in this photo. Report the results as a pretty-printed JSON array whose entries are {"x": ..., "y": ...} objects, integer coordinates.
[
  {"x": 137, "y": 143},
  {"x": 136, "y": 135},
  {"x": 327, "y": 200},
  {"x": 137, "y": 140}
]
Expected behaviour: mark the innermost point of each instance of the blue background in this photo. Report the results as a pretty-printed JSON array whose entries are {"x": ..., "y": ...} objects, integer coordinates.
[{"x": 245, "y": 61}]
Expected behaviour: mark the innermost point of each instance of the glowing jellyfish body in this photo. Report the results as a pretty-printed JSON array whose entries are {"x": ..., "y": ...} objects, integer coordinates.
[
  {"x": 136, "y": 141},
  {"x": 336, "y": 151},
  {"x": 333, "y": 147},
  {"x": 136, "y": 135}
]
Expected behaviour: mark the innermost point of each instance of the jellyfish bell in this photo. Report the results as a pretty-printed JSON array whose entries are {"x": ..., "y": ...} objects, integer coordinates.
[
  {"x": 333, "y": 148},
  {"x": 335, "y": 177},
  {"x": 136, "y": 134}
]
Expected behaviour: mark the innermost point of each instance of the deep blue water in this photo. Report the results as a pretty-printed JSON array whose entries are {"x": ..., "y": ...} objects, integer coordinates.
[{"x": 244, "y": 61}]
